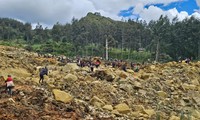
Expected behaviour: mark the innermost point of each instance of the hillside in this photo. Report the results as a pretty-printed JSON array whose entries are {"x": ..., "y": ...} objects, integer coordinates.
[
  {"x": 163, "y": 39},
  {"x": 169, "y": 91}
]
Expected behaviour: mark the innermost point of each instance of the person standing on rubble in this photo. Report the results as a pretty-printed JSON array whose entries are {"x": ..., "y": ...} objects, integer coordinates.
[
  {"x": 124, "y": 66},
  {"x": 97, "y": 63},
  {"x": 43, "y": 71},
  {"x": 9, "y": 85}
]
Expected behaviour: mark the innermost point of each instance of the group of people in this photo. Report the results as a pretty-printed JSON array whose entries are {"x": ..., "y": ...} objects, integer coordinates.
[
  {"x": 90, "y": 63},
  {"x": 9, "y": 83},
  {"x": 187, "y": 60},
  {"x": 80, "y": 62},
  {"x": 123, "y": 65}
]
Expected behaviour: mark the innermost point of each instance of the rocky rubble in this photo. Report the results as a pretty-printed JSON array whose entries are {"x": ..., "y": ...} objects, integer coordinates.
[{"x": 169, "y": 91}]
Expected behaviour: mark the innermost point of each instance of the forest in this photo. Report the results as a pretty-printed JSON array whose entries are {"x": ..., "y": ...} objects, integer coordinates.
[{"x": 162, "y": 40}]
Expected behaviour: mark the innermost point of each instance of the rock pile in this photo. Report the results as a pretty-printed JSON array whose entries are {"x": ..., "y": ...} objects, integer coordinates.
[{"x": 169, "y": 91}]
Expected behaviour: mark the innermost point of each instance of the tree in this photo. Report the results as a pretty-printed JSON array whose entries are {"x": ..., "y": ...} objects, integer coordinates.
[{"x": 160, "y": 31}]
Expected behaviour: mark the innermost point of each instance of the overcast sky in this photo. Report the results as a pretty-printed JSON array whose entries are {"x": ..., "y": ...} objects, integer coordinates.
[{"x": 48, "y": 12}]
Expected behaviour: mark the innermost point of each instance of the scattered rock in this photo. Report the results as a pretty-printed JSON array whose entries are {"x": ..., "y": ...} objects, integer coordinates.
[
  {"x": 174, "y": 118},
  {"x": 70, "y": 77},
  {"x": 122, "y": 108},
  {"x": 166, "y": 89},
  {"x": 108, "y": 107},
  {"x": 62, "y": 96},
  {"x": 162, "y": 94}
]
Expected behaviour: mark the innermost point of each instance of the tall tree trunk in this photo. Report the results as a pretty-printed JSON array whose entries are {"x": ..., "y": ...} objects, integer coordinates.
[
  {"x": 157, "y": 50},
  {"x": 92, "y": 49},
  {"x": 122, "y": 46},
  {"x": 106, "y": 48},
  {"x": 199, "y": 49}
]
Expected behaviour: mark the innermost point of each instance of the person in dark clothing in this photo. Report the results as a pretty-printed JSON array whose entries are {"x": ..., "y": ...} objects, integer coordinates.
[
  {"x": 132, "y": 65},
  {"x": 124, "y": 66},
  {"x": 114, "y": 64},
  {"x": 43, "y": 71},
  {"x": 92, "y": 66},
  {"x": 187, "y": 60}
]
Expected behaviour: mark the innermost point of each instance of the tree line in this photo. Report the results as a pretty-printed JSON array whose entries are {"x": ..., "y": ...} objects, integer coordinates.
[{"x": 159, "y": 40}]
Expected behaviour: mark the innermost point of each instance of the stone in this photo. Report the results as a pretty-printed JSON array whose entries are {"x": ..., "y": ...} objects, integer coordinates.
[
  {"x": 130, "y": 71},
  {"x": 144, "y": 76},
  {"x": 104, "y": 74},
  {"x": 36, "y": 80},
  {"x": 115, "y": 112},
  {"x": 196, "y": 114},
  {"x": 138, "y": 108},
  {"x": 169, "y": 82},
  {"x": 126, "y": 87},
  {"x": 70, "y": 67},
  {"x": 162, "y": 94},
  {"x": 149, "y": 112},
  {"x": 174, "y": 118},
  {"x": 122, "y": 108},
  {"x": 11, "y": 100},
  {"x": 197, "y": 100},
  {"x": 97, "y": 101},
  {"x": 152, "y": 67},
  {"x": 122, "y": 74},
  {"x": 142, "y": 92},
  {"x": 89, "y": 78},
  {"x": 193, "y": 118},
  {"x": 137, "y": 85},
  {"x": 54, "y": 73},
  {"x": 97, "y": 104},
  {"x": 108, "y": 107},
  {"x": 52, "y": 86},
  {"x": 70, "y": 77},
  {"x": 62, "y": 96},
  {"x": 188, "y": 86},
  {"x": 195, "y": 82},
  {"x": 46, "y": 117},
  {"x": 182, "y": 102},
  {"x": 135, "y": 114}
]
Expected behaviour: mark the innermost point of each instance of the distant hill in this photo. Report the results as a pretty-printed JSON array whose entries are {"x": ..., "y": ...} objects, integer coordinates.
[{"x": 87, "y": 37}]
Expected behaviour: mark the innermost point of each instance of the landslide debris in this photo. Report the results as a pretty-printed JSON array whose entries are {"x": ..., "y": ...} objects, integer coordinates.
[{"x": 169, "y": 91}]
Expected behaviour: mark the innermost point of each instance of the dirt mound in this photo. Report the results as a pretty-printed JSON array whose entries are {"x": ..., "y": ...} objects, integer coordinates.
[{"x": 169, "y": 91}]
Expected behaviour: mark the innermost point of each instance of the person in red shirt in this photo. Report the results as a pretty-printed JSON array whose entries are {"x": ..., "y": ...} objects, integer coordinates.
[
  {"x": 9, "y": 78},
  {"x": 97, "y": 63},
  {"x": 9, "y": 84}
]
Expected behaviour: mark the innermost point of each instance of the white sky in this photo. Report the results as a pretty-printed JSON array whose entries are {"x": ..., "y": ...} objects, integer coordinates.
[{"x": 48, "y": 12}]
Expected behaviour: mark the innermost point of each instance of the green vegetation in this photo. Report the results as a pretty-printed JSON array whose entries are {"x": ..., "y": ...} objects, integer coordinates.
[{"x": 161, "y": 40}]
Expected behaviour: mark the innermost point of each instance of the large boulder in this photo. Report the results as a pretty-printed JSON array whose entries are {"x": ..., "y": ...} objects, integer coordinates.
[
  {"x": 174, "y": 118},
  {"x": 122, "y": 108},
  {"x": 104, "y": 74},
  {"x": 62, "y": 96},
  {"x": 162, "y": 94},
  {"x": 70, "y": 77},
  {"x": 149, "y": 112},
  {"x": 54, "y": 73},
  {"x": 196, "y": 114},
  {"x": 70, "y": 67},
  {"x": 108, "y": 107},
  {"x": 122, "y": 74}
]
